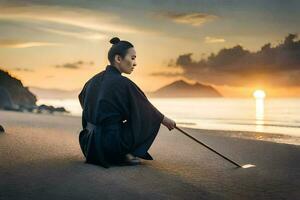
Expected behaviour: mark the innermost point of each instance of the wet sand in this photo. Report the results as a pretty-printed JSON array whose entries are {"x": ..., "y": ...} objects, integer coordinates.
[{"x": 40, "y": 158}]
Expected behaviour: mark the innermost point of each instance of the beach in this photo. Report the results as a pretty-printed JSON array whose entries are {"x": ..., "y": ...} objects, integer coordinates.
[{"x": 40, "y": 158}]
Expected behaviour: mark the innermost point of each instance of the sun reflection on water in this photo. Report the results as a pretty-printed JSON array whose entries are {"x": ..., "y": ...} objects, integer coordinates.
[{"x": 260, "y": 109}]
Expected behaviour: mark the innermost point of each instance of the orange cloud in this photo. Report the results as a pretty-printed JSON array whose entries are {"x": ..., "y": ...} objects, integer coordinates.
[
  {"x": 8, "y": 43},
  {"x": 78, "y": 17},
  {"x": 74, "y": 65},
  {"x": 79, "y": 35},
  {"x": 213, "y": 40},
  {"x": 194, "y": 19}
]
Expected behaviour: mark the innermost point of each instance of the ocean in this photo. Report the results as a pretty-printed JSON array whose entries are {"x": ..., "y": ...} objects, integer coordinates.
[{"x": 270, "y": 115}]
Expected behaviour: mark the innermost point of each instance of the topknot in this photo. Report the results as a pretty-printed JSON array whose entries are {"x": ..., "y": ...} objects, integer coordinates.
[{"x": 114, "y": 40}]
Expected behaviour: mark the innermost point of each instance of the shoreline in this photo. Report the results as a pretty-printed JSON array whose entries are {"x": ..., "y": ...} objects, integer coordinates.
[{"x": 252, "y": 135}]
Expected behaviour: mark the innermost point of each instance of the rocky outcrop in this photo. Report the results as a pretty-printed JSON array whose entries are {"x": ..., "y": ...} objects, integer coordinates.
[
  {"x": 5, "y": 99},
  {"x": 14, "y": 96},
  {"x": 2, "y": 129},
  {"x": 18, "y": 94}
]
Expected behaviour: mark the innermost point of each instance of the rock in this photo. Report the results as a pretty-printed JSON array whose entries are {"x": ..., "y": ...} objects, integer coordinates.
[
  {"x": 18, "y": 94},
  {"x": 5, "y": 99},
  {"x": 2, "y": 129},
  {"x": 15, "y": 97}
]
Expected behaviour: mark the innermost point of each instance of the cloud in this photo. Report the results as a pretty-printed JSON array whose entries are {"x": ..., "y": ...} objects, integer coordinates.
[
  {"x": 273, "y": 66},
  {"x": 78, "y": 17},
  {"x": 11, "y": 43},
  {"x": 193, "y": 19},
  {"x": 166, "y": 74},
  {"x": 23, "y": 69},
  {"x": 79, "y": 35},
  {"x": 75, "y": 65},
  {"x": 49, "y": 76},
  {"x": 213, "y": 40}
]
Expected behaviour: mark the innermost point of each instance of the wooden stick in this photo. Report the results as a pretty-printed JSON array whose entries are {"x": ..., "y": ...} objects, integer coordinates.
[{"x": 207, "y": 147}]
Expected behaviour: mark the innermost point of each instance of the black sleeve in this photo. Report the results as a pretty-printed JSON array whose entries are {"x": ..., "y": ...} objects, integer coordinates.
[
  {"x": 138, "y": 97},
  {"x": 81, "y": 97},
  {"x": 144, "y": 118}
]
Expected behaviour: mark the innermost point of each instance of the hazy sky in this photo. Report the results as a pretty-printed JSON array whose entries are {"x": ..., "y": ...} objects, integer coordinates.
[{"x": 61, "y": 44}]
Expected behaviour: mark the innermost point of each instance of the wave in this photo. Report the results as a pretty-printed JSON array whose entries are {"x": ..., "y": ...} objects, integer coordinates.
[
  {"x": 263, "y": 136},
  {"x": 264, "y": 124}
]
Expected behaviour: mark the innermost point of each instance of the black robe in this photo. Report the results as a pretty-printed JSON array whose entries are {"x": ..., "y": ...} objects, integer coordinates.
[{"x": 117, "y": 119}]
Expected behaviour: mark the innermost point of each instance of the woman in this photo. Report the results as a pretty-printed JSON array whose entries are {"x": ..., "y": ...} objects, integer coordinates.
[{"x": 119, "y": 123}]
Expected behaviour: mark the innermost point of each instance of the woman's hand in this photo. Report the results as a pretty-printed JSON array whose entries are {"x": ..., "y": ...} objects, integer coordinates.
[{"x": 169, "y": 123}]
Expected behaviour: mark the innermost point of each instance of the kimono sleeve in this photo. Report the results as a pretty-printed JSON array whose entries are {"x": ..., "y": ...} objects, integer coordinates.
[
  {"x": 144, "y": 118},
  {"x": 81, "y": 97}
]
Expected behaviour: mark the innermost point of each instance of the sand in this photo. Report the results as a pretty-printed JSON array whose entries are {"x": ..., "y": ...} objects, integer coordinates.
[{"x": 40, "y": 158}]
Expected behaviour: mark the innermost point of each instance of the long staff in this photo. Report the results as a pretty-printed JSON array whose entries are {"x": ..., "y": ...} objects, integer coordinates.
[{"x": 236, "y": 164}]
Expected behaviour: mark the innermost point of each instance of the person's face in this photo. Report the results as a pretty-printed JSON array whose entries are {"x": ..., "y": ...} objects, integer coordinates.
[{"x": 127, "y": 64}]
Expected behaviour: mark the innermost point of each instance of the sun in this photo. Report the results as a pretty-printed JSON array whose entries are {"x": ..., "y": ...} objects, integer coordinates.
[{"x": 259, "y": 94}]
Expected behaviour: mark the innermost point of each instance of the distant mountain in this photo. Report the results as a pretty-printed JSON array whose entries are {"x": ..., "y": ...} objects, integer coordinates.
[
  {"x": 43, "y": 93},
  {"x": 181, "y": 88}
]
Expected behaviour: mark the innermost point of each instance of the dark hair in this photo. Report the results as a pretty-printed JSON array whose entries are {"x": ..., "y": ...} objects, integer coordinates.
[{"x": 119, "y": 47}]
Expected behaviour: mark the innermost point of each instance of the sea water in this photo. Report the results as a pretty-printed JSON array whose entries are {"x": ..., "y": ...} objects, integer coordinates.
[{"x": 270, "y": 115}]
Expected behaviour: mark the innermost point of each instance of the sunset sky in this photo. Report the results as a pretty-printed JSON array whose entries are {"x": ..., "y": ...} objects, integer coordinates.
[{"x": 236, "y": 46}]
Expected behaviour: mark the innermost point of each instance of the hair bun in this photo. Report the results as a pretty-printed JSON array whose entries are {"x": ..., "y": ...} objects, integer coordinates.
[{"x": 114, "y": 40}]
